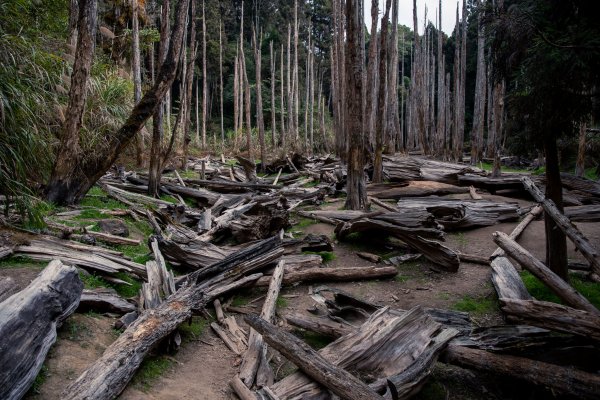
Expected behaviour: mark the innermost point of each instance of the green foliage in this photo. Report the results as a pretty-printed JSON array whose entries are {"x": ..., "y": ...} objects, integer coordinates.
[
  {"x": 476, "y": 305},
  {"x": 150, "y": 370},
  {"x": 281, "y": 302},
  {"x": 315, "y": 340},
  {"x": 326, "y": 256},
  {"x": 240, "y": 301},
  {"x": 432, "y": 390},
  {"x": 590, "y": 290},
  {"x": 20, "y": 261},
  {"x": 92, "y": 281},
  {"x": 489, "y": 167},
  {"x": 39, "y": 380},
  {"x": 192, "y": 329}
]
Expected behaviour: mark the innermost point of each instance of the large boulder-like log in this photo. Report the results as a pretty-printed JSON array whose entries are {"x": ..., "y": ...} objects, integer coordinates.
[
  {"x": 413, "y": 189},
  {"x": 28, "y": 322},
  {"x": 403, "y": 168}
]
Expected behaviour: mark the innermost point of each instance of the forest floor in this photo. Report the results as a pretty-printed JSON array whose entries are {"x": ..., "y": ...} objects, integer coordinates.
[{"x": 203, "y": 366}]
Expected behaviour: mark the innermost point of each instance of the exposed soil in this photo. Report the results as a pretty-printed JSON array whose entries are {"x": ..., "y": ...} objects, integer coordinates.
[{"x": 202, "y": 368}]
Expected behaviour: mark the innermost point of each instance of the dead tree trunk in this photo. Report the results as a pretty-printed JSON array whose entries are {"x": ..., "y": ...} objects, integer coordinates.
[
  {"x": 260, "y": 124},
  {"x": 189, "y": 85},
  {"x": 356, "y": 185},
  {"x": 580, "y": 165},
  {"x": 382, "y": 96},
  {"x": 480, "y": 85},
  {"x": 28, "y": 322},
  {"x": 204, "y": 77},
  {"x": 273, "y": 118},
  {"x": 392, "y": 119},
  {"x": 372, "y": 86}
]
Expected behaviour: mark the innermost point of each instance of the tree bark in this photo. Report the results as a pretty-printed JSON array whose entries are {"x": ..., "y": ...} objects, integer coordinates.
[
  {"x": 356, "y": 185},
  {"x": 204, "y": 77},
  {"x": 73, "y": 174},
  {"x": 260, "y": 123},
  {"x": 28, "y": 322},
  {"x": 62, "y": 181},
  {"x": 221, "y": 85},
  {"x": 480, "y": 86},
  {"x": 137, "y": 75}
]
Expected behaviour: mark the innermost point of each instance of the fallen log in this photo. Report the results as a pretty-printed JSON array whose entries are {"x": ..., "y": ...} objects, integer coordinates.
[
  {"x": 555, "y": 317},
  {"x": 561, "y": 288},
  {"x": 587, "y": 213},
  {"x": 28, "y": 322},
  {"x": 256, "y": 353},
  {"x": 492, "y": 184},
  {"x": 8, "y": 287},
  {"x": 462, "y": 214},
  {"x": 581, "y": 242},
  {"x": 333, "y": 274},
  {"x": 339, "y": 381},
  {"x": 108, "y": 376},
  {"x": 562, "y": 380},
  {"x": 104, "y": 300},
  {"x": 403, "y": 168},
  {"x": 413, "y": 189},
  {"x": 415, "y": 238},
  {"x": 386, "y": 345},
  {"x": 242, "y": 390},
  {"x": 220, "y": 184}
]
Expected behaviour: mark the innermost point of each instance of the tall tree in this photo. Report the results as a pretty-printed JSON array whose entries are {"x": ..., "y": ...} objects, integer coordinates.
[
  {"x": 356, "y": 184},
  {"x": 204, "y": 77},
  {"x": 137, "y": 75},
  {"x": 260, "y": 124},
  {"x": 189, "y": 83},
  {"x": 480, "y": 86},
  {"x": 221, "y": 84},
  {"x": 548, "y": 52},
  {"x": 74, "y": 173},
  {"x": 272, "y": 59}
]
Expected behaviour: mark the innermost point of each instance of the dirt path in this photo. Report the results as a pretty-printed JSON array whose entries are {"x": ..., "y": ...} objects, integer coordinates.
[{"x": 202, "y": 371}]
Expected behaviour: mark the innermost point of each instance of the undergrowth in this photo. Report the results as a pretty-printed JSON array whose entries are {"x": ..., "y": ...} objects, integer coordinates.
[
  {"x": 477, "y": 305},
  {"x": 590, "y": 290},
  {"x": 150, "y": 370}
]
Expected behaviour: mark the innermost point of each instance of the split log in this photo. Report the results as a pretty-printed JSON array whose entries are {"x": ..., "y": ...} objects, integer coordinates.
[
  {"x": 5, "y": 252},
  {"x": 108, "y": 376},
  {"x": 580, "y": 184},
  {"x": 473, "y": 194},
  {"x": 561, "y": 288},
  {"x": 104, "y": 300},
  {"x": 8, "y": 287},
  {"x": 194, "y": 255},
  {"x": 302, "y": 261},
  {"x": 473, "y": 258},
  {"x": 413, "y": 189},
  {"x": 462, "y": 214},
  {"x": 562, "y": 380},
  {"x": 587, "y": 213},
  {"x": 492, "y": 184},
  {"x": 581, "y": 242},
  {"x": 256, "y": 353},
  {"x": 555, "y": 317},
  {"x": 249, "y": 168},
  {"x": 333, "y": 274},
  {"x": 242, "y": 390},
  {"x": 28, "y": 322},
  {"x": 403, "y": 168},
  {"x": 322, "y": 326},
  {"x": 68, "y": 231},
  {"x": 339, "y": 381},
  {"x": 386, "y": 345},
  {"x": 222, "y": 185},
  {"x": 310, "y": 242},
  {"x": 415, "y": 238}
]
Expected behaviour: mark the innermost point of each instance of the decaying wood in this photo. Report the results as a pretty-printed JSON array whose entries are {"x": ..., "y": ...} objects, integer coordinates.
[
  {"x": 563, "y": 380},
  {"x": 28, "y": 322},
  {"x": 473, "y": 193},
  {"x": 561, "y": 288},
  {"x": 333, "y": 274},
  {"x": 101, "y": 236},
  {"x": 241, "y": 390},
  {"x": 403, "y": 168},
  {"x": 581, "y": 242},
  {"x": 379, "y": 348},
  {"x": 416, "y": 238},
  {"x": 587, "y": 213},
  {"x": 413, "y": 189},
  {"x": 473, "y": 258},
  {"x": 104, "y": 300},
  {"x": 109, "y": 375},
  {"x": 555, "y": 317},
  {"x": 322, "y": 326},
  {"x": 256, "y": 353},
  {"x": 7, "y": 287},
  {"x": 462, "y": 214},
  {"x": 339, "y": 381},
  {"x": 302, "y": 261}
]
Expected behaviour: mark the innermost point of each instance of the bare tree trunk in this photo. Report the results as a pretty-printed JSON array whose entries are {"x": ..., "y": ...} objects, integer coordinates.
[
  {"x": 74, "y": 174},
  {"x": 73, "y": 18},
  {"x": 290, "y": 89},
  {"x": 59, "y": 189},
  {"x": 247, "y": 105},
  {"x": 498, "y": 123},
  {"x": 382, "y": 92},
  {"x": 441, "y": 128},
  {"x": 480, "y": 85},
  {"x": 296, "y": 74},
  {"x": 137, "y": 75},
  {"x": 273, "y": 118},
  {"x": 312, "y": 99},
  {"x": 221, "y": 85},
  {"x": 236, "y": 93},
  {"x": 307, "y": 84},
  {"x": 281, "y": 99},
  {"x": 580, "y": 165},
  {"x": 372, "y": 83},
  {"x": 189, "y": 84},
  {"x": 401, "y": 142},
  {"x": 154, "y": 173},
  {"x": 463, "y": 78},
  {"x": 259, "y": 105},
  {"x": 356, "y": 185},
  {"x": 456, "y": 138},
  {"x": 204, "y": 77},
  {"x": 392, "y": 121}
]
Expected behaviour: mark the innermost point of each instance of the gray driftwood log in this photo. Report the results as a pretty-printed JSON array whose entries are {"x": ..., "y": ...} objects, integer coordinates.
[{"x": 28, "y": 322}]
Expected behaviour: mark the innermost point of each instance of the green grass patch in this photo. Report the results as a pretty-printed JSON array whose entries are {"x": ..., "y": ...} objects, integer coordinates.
[
  {"x": 326, "y": 256},
  {"x": 170, "y": 199},
  {"x": 489, "y": 166},
  {"x": 591, "y": 173},
  {"x": 432, "y": 391},
  {"x": 240, "y": 301},
  {"x": 305, "y": 222},
  {"x": 590, "y": 290},
  {"x": 39, "y": 381},
  {"x": 315, "y": 340},
  {"x": 92, "y": 281},
  {"x": 281, "y": 302},
  {"x": 96, "y": 198},
  {"x": 19, "y": 261},
  {"x": 150, "y": 370},
  {"x": 401, "y": 278},
  {"x": 74, "y": 330},
  {"x": 476, "y": 305},
  {"x": 192, "y": 329},
  {"x": 310, "y": 184},
  {"x": 90, "y": 213}
]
